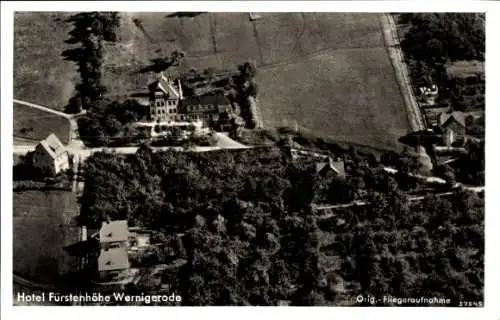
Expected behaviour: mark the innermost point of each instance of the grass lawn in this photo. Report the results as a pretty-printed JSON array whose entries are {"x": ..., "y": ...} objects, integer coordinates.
[
  {"x": 349, "y": 95},
  {"x": 465, "y": 69},
  {"x": 328, "y": 71},
  {"x": 42, "y": 227},
  {"x": 41, "y": 75},
  {"x": 43, "y": 124}
]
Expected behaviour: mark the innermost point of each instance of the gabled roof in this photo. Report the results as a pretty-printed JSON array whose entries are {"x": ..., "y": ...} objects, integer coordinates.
[
  {"x": 53, "y": 146},
  {"x": 114, "y": 231},
  {"x": 166, "y": 85},
  {"x": 446, "y": 118},
  {"x": 113, "y": 259},
  {"x": 336, "y": 166}
]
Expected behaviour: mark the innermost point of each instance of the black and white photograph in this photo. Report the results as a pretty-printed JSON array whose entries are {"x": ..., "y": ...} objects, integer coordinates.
[{"x": 220, "y": 158}]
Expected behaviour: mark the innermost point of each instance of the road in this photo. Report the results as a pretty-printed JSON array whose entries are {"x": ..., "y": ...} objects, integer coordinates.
[
  {"x": 46, "y": 109},
  {"x": 428, "y": 179},
  {"x": 221, "y": 142},
  {"x": 364, "y": 203},
  {"x": 398, "y": 61}
]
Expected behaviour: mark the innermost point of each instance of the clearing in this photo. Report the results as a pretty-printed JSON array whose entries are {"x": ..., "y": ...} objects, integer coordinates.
[
  {"x": 43, "y": 225},
  {"x": 348, "y": 95},
  {"x": 41, "y": 75},
  {"x": 327, "y": 71},
  {"x": 32, "y": 125},
  {"x": 464, "y": 69}
]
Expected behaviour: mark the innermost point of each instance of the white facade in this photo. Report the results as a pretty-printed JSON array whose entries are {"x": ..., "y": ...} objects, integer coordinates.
[{"x": 51, "y": 155}]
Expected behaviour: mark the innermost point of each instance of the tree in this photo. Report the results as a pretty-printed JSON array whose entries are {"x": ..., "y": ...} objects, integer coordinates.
[
  {"x": 113, "y": 126},
  {"x": 90, "y": 29},
  {"x": 209, "y": 74},
  {"x": 252, "y": 90},
  {"x": 449, "y": 175},
  {"x": 176, "y": 57},
  {"x": 247, "y": 70}
]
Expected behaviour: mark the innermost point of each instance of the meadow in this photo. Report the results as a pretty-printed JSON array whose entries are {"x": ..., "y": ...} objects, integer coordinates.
[
  {"x": 327, "y": 71},
  {"x": 41, "y": 75},
  {"x": 31, "y": 125},
  {"x": 42, "y": 225}
]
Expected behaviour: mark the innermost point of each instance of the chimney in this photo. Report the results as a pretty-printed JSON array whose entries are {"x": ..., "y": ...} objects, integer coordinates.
[{"x": 181, "y": 96}]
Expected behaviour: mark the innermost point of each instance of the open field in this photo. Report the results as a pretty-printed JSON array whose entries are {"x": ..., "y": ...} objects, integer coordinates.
[
  {"x": 338, "y": 83},
  {"x": 328, "y": 71},
  {"x": 465, "y": 69},
  {"x": 41, "y": 75},
  {"x": 348, "y": 95},
  {"x": 42, "y": 124},
  {"x": 222, "y": 41},
  {"x": 42, "y": 226}
]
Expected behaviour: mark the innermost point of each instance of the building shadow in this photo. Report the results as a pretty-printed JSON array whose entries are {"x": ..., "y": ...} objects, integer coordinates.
[{"x": 184, "y": 14}]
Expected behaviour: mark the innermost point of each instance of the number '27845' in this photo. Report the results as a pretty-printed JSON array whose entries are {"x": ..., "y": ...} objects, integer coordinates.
[{"x": 470, "y": 304}]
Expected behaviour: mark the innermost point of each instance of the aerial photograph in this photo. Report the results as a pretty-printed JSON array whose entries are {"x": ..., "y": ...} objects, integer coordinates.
[{"x": 248, "y": 159}]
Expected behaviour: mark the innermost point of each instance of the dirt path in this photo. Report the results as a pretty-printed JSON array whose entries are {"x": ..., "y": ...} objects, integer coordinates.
[
  {"x": 397, "y": 58},
  {"x": 46, "y": 109},
  {"x": 73, "y": 139},
  {"x": 364, "y": 203}
]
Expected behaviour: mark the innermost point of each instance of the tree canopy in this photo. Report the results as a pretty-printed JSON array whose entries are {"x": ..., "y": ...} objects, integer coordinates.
[
  {"x": 251, "y": 236},
  {"x": 437, "y": 37}
]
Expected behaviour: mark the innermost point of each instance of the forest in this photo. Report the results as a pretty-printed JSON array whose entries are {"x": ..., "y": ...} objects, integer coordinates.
[
  {"x": 433, "y": 41},
  {"x": 251, "y": 235}
]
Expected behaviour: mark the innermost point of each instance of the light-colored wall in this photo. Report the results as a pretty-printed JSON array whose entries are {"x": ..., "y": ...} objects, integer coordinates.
[
  {"x": 167, "y": 111},
  {"x": 61, "y": 163},
  {"x": 42, "y": 160}
]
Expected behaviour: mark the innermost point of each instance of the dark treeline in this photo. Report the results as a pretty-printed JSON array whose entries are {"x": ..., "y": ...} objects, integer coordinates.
[
  {"x": 434, "y": 40},
  {"x": 438, "y": 37},
  {"x": 89, "y": 31},
  {"x": 106, "y": 123},
  {"x": 245, "y": 90},
  {"x": 251, "y": 237}
]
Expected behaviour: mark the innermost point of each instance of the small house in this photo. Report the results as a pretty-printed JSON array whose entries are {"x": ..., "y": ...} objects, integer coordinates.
[
  {"x": 335, "y": 166},
  {"x": 114, "y": 232},
  {"x": 113, "y": 261},
  {"x": 51, "y": 155},
  {"x": 452, "y": 125}
]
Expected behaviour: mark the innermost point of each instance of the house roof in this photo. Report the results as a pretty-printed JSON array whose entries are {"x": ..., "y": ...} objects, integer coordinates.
[
  {"x": 206, "y": 100},
  {"x": 114, "y": 231},
  {"x": 445, "y": 118},
  {"x": 166, "y": 85},
  {"x": 336, "y": 166},
  {"x": 113, "y": 259},
  {"x": 53, "y": 146}
]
